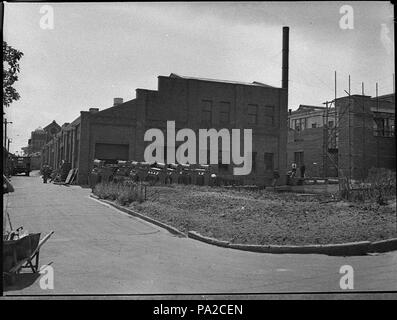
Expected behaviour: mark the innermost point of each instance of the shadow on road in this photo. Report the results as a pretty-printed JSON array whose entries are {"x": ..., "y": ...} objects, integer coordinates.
[{"x": 22, "y": 281}]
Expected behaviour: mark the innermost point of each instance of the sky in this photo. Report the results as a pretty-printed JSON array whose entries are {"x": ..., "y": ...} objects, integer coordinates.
[{"x": 98, "y": 51}]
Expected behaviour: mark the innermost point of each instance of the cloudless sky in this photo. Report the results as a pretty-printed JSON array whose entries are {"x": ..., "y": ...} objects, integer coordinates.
[{"x": 98, "y": 51}]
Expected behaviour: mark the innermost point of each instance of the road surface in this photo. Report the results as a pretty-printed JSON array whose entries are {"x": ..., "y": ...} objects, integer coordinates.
[{"x": 97, "y": 249}]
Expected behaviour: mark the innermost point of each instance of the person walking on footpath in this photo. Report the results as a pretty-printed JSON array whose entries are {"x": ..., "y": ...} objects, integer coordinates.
[{"x": 46, "y": 172}]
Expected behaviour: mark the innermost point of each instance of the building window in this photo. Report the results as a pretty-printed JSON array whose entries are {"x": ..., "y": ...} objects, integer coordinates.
[
  {"x": 224, "y": 116},
  {"x": 298, "y": 159},
  {"x": 206, "y": 112},
  {"x": 384, "y": 127},
  {"x": 269, "y": 115},
  {"x": 269, "y": 161},
  {"x": 252, "y": 114},
  {"x": 300, "y": 124},
  {"x": 314, "y": 125}
]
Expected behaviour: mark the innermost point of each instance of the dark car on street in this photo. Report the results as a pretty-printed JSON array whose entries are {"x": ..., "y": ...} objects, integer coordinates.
[{"x": 21, "y": 165}]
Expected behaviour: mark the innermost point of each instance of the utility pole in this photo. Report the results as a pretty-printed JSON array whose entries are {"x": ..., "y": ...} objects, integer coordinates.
[
  {"x": 325, "y": 138},
  {"x": 349, "y": 135},
  {"x": 8, "y": 145},
  {"x": 377, "y": 140},
  {"x": 394, "y": 90},
  {"x": 5, "y": 131},
  {"x": 362, "y": 88},
  {"x": 336, "y": 128},
  {"x": 335, "y": 99},
  {"x": 349, "y": 84}
]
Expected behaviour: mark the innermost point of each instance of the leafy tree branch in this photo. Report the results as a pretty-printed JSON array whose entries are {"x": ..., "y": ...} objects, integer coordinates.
[{"x": 11, "y": 57}]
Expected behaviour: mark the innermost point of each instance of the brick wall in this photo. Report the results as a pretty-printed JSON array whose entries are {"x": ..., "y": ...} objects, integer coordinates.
[
  {"x": 359, "y": 149},
  {"x": 179, "y": 100},
  {"x": 310, "y": 142}
]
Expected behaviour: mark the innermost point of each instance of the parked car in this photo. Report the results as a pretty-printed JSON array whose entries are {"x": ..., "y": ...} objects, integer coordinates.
[{"x": 21, "y": 165}]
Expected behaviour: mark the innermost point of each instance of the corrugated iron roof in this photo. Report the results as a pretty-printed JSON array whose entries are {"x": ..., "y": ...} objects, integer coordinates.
[
  {"x": 255, "y": 83},
  {"x": 304, "y": 108}
]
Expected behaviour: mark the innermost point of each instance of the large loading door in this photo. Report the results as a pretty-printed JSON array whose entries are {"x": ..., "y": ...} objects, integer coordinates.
[{"x": 109, "y": 151}]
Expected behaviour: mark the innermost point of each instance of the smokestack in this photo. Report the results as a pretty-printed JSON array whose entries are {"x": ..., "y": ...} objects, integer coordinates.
[{"x": 284, "y": 79}]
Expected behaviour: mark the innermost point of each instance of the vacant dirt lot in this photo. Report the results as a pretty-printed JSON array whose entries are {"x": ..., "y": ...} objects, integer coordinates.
[{"x": 266, "y": 217}]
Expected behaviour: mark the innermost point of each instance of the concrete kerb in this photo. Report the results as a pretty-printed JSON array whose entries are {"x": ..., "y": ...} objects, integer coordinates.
[
  {"x": 342, "y": 249},
  {"x": 345, "y": 249},
  {"x": 383, "y": 245},
  {"x": 195, "y": 235}
]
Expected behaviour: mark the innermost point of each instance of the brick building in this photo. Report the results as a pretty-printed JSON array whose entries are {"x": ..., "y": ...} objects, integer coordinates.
[
  {"x": 38, "y": 138},
  {"x": 361, "y": 135},
  {"x": 52, "y": 129},
  {"x": 306, "y": 139},
  {"x": 117, "y": 133}
]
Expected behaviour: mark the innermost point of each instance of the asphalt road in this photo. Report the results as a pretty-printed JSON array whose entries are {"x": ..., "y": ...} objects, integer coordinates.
[{"x": 97, "y": 249}]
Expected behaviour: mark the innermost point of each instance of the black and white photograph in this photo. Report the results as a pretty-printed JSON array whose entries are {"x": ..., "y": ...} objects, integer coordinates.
[{"x": 199, "y": 151}]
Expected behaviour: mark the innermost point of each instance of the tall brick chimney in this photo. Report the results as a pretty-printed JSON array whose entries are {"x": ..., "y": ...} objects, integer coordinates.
[{"x": 285, "y": 64}]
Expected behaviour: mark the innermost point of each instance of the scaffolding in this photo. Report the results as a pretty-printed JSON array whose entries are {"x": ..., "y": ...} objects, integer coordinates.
[
  {"x": 331, "y": 134},
  {"x": 330, "y": 140},
  {"x": 331, "y": 147}
]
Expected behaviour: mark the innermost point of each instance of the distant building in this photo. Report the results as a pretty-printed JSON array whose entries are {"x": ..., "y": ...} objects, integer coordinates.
[
  {"x": 359, "y": 136},
  {"x": 306, "y": 117},
  {"x": 117, "y": 133},
  {"x": 39, "y": 137},
  {"x": 37, "y": 140},
  {"x": 52, "y": 129}
]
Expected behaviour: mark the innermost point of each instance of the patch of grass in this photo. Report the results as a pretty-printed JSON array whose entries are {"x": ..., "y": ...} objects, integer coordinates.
[{"x": 122, "y": 193}]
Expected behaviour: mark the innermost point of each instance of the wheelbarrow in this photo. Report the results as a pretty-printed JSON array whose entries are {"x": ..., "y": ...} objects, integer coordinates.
[{"x": 22, "y": 253}]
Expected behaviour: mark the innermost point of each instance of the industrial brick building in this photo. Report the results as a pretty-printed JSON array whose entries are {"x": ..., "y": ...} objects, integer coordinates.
[
  {"x": 117, "y": 133},
  {"x": 359, "y": 136},
  {"x": 39, "y": 137}
]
